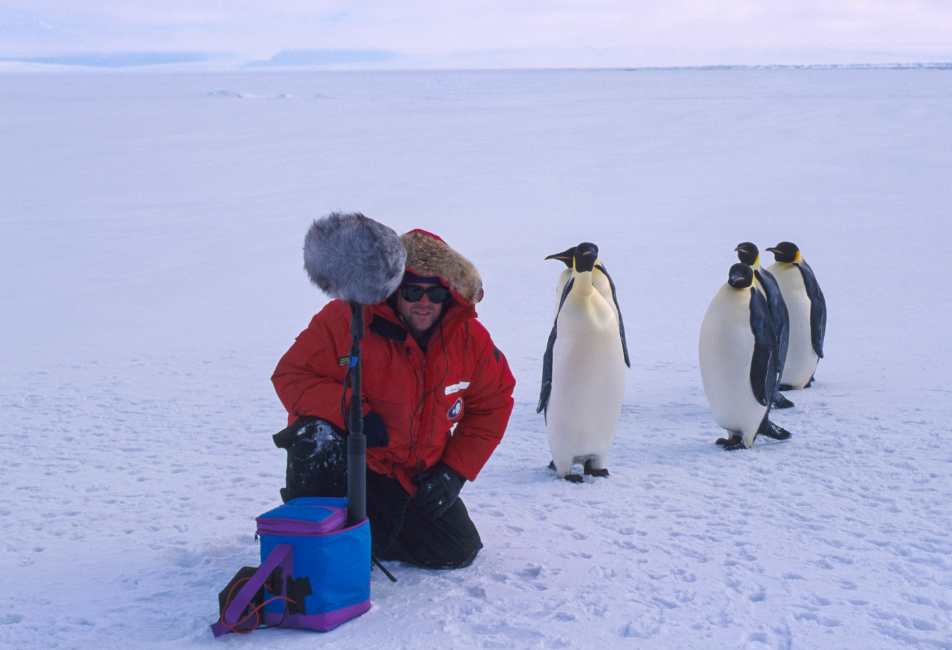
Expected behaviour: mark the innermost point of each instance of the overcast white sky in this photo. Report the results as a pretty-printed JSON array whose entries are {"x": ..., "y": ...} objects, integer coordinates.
[{"x": 494, "y": 33}]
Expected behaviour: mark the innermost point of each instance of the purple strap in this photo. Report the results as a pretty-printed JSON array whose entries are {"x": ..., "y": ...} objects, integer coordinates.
[{"x": 245, "y": 594}]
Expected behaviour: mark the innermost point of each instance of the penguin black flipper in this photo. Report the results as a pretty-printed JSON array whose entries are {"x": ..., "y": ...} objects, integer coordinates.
[
  {"x": 547, "y": 357},
  {"x": 817, "y": 308},
  {"x": 621, "y": 322},
  {"x": 763, "y": 363},
  {"x": 781, "y": 321},
  {"x": 547, "y": 374},
  {"x": 778, "y": 314}
]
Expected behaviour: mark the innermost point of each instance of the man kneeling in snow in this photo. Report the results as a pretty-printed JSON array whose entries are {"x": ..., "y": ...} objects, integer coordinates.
[{"x": 437, "y": 395}]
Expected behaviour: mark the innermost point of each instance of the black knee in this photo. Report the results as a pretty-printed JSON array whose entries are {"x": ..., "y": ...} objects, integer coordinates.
[
  {"x": 402, "y": 533},
  {"x": 450, "y": 541}
]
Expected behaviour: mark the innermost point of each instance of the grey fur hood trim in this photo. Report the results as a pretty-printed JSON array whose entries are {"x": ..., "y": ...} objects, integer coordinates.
[{"x": 429, "y": 255}]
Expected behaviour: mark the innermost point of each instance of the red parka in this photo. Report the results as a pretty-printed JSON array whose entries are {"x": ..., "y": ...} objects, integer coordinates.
[{"x": 450, "y": 403}]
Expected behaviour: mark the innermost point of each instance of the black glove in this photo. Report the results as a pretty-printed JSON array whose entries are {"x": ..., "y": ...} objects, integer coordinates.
[
  {"x": 375, "y": 430},
  {"x": 317, "y": 459},
  {"x": 439, "y": 487}
]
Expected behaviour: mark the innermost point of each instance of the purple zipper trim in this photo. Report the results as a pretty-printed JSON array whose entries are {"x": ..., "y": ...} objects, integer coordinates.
[
  {"x": 298, "y": 527},
  {"x": 323, "y": 622}
]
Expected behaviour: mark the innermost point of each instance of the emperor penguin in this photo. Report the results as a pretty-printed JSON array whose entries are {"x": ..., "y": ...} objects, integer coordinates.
[
  {"x": 807, "y": 308},
  {"x": 583, "y": 370},
  {"x": 600, "y": 278},
  {"x": 748, "y": 253},
  {"x": 737, "y": 354}
]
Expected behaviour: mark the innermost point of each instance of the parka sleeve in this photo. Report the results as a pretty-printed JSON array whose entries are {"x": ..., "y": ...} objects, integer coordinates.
[
  {"x": 488, "y": 407},
  {"x": 309, "y": 379}
]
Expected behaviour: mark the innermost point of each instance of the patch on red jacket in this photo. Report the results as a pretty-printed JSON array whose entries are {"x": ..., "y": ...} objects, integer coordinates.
[{"x": 455, "y": 410}]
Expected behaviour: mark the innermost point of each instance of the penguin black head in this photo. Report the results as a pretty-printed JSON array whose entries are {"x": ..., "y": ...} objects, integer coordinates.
[
  {"x": 567, "y": 256},
  {"x": 585, "y": 255},
  {"x": 785, "y": 252},
  {"x": 747, "y": 252},
  {"x": 740, "y": 276}
]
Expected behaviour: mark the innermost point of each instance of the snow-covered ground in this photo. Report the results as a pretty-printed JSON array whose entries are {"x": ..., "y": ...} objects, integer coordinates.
[{"x": 151, "y": 276}]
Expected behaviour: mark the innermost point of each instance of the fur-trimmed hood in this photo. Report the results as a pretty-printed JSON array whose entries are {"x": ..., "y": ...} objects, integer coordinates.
[{"x": 429, "y": 255}]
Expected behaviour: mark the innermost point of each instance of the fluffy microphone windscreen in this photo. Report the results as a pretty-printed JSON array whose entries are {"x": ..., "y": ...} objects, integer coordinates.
[{"x": 354, "y": 258}]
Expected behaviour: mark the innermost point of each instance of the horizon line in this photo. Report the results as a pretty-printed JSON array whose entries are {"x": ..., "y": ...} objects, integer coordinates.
[{"x": 368, "y": 59}]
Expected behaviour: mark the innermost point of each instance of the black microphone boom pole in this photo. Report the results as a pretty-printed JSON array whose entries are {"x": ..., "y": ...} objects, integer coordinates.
[
  {"x": 356, "y": 441},
  {"x": 357, "y": 260}
]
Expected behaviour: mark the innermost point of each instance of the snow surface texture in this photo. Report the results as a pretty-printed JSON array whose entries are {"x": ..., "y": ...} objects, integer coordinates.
[{"x": 151, "y": 276}]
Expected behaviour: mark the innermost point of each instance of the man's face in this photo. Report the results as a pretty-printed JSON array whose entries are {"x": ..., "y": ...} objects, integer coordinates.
[{"x": 418, "y": 316}]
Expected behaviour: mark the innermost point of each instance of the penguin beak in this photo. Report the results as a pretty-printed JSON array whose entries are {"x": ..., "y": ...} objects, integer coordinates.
[{"x": 566, "y": 257}]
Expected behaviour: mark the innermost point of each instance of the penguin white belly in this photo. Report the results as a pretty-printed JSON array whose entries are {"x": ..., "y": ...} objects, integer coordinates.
[
  {"x": 599, "y": 281},
  {"x": 725, "y": 352},
  {"x": 588, "y": 383},
  {"x": 801, "y": 358},
  {"x": 604, "y": 288}
]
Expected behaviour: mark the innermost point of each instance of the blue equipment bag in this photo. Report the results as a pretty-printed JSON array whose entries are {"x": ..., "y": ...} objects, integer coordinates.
[{"x": 314, "y": 573}]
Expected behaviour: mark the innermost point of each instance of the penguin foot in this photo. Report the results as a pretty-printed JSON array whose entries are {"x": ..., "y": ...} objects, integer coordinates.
[
  {"x": 736, "y": 442},
  {"x": 589, "y": 471},
  {"x": 552, "y": 465},
  {"x": 781, "y": 402},
  {"x": 574, "y": 478},
  {"x": 810, "y": 383},
  {"x": 721, "y": 441},
  {"x": 771, "y": 430},
  {"x": 786, "y": 387}
]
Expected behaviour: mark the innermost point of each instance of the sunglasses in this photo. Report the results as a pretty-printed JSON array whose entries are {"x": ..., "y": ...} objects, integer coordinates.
[{"x": 413, "y": 293}]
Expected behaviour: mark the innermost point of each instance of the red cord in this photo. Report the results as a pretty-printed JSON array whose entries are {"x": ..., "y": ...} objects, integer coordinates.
[{"x": 255, "y": 611}]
